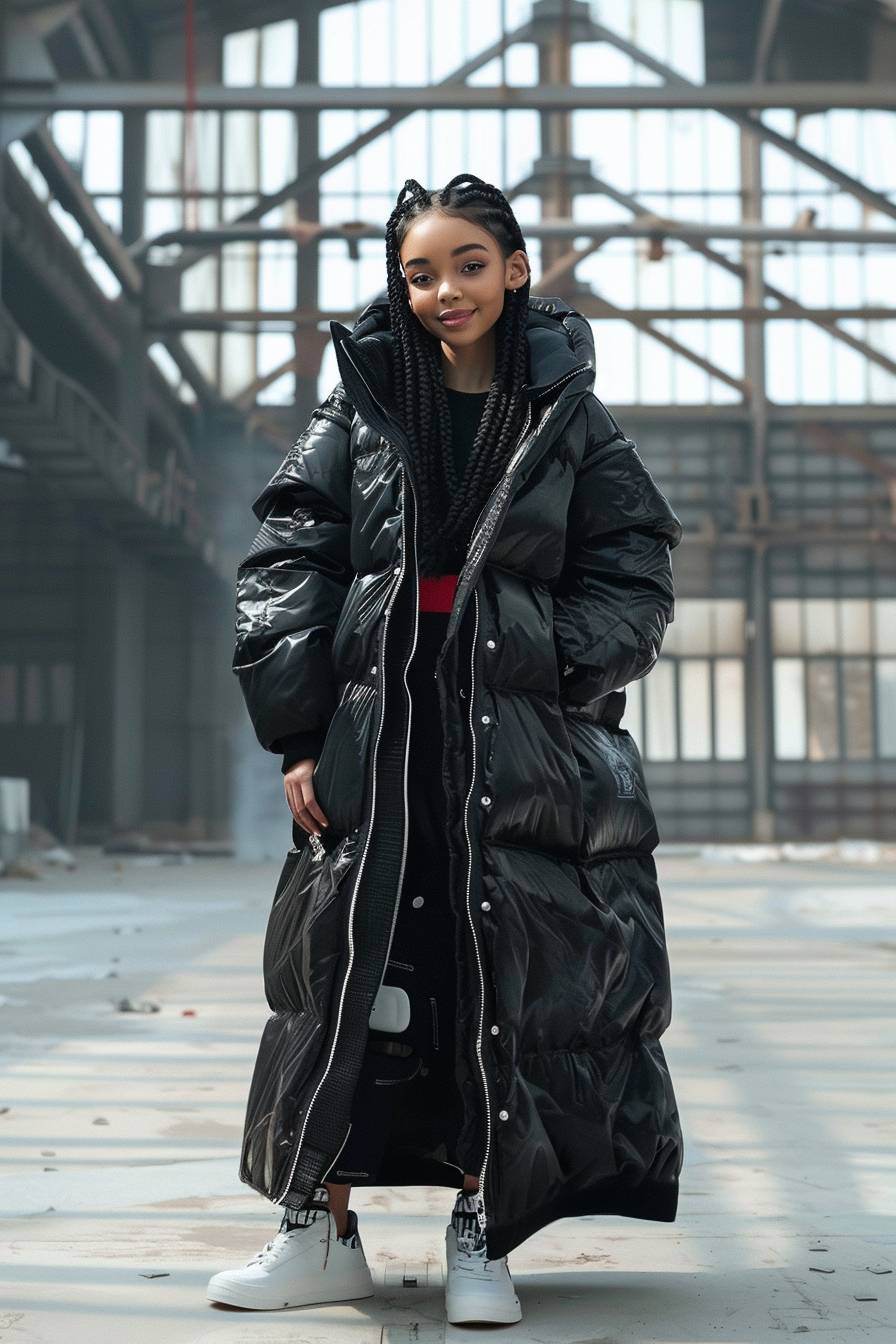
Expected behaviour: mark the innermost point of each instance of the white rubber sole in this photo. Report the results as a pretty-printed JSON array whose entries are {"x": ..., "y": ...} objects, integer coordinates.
[
  {"x": 468, "y": 1311},
  {"x": 472, "y": 1308},
  {"x": 262, "y": 1298}
]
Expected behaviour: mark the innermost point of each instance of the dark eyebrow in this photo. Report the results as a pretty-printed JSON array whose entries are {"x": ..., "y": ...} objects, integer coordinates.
[{"x": 465, "y": 247}]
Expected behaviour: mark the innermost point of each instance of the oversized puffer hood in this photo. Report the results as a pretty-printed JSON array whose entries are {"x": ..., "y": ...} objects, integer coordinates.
[{"x": 559, "y": 338}]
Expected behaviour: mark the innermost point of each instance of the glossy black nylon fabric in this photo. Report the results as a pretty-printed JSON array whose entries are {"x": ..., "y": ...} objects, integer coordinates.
[{"x": 560, "y": 954}]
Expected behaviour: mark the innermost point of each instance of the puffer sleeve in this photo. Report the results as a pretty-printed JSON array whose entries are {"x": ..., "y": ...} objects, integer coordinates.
[
  {"x": 291, "y": 586},
  {"x": 614, "y": 597}
]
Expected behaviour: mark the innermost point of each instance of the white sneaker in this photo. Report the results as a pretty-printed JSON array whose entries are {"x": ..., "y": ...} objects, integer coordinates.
[
  {"x": 304, "y": 1265},
  {"x": 476, "y": 1289}
]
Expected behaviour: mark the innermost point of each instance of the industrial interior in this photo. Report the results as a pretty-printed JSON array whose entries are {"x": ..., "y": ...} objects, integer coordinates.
[{"x": 188, "y": 201}]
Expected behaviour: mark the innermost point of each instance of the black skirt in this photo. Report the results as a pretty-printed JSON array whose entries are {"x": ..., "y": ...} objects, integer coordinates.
[{"x": 421, "y": 957}]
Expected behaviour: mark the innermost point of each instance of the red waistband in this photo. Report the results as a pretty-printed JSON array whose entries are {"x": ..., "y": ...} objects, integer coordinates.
[{"x": 437, "y": 592}]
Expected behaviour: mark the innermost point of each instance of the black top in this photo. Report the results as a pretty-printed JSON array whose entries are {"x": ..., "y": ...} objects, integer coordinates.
[{"x": 466, "y": 411}]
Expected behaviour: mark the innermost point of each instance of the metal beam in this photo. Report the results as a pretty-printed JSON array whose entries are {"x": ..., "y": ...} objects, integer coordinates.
[
  {"x": 645, "y": 226},
  {"x": 789, "y": 306},
  {"x": 68, "y": 189},
  {"x": 114, "y": 95},
  {"x": 677, "y": 82},
  {"x": 222, "y": 319}
]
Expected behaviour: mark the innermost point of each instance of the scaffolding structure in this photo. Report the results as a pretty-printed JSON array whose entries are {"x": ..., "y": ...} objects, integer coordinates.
[{"x": 772, "y": 711}]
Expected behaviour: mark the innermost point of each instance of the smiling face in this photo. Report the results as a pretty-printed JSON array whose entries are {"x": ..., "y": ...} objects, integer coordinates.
[{"x": 455, "y": 267}]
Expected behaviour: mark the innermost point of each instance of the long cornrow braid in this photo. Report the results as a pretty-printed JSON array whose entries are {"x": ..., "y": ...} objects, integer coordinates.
[{"x": 449, "y": 506}]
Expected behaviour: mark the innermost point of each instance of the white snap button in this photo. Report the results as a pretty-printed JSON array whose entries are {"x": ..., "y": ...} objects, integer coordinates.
[
  {"x": 373, "y": 669},
  {"x": 396, "y": 569},
  {"x": 490, "y": 643},
  {"x": 486, "y": 718},
  {"x": 503, "y": 1115},
  {"x": 417, "y": 902},
  {"x": 485, "y": 800},
  {"x": 496, "y": 1031},
  {"x": 486, "y": 905}
]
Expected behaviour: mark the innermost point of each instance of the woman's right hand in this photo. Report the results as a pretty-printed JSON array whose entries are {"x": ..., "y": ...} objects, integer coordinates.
[{"x": 303, "y": 805}]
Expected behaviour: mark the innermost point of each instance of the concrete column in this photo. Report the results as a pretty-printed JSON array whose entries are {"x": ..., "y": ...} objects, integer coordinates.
[{"x": 759, "y": 658}]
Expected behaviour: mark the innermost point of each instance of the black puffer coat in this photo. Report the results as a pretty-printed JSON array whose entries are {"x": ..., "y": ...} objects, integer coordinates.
[{"x": 561, "y": 957}]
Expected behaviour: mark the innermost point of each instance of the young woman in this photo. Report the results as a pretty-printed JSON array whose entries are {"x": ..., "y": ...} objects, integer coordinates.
[{"x": 461, "y": 564}]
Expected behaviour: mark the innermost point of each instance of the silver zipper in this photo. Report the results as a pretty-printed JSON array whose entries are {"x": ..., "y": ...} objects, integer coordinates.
[
  {"x": 480, "y": 1194},
  {"x": 351, "y": 940},
  {"x": 405, "y": 479}
]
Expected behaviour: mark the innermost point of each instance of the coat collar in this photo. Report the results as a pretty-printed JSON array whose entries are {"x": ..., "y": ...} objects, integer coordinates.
[{"x": 560, "y": 342}]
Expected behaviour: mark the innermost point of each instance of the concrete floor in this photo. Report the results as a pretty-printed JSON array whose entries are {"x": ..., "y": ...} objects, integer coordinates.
[{"x": 120, "y": 1132}]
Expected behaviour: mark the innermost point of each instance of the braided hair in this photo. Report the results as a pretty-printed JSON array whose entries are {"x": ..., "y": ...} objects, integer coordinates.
[{"x": 450, "y": 506}]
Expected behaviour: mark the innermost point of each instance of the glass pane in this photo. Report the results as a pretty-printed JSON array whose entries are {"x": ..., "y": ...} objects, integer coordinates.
[
  {"x": 855, "y": 625},
  {"x": 240, "y": 151},
  {"x": 205, "y": 136},
  {"x": 199, "y": 283},
  {"x": 728, "y": 622},
  {"x": 102, "y": 152},
  {"x": 632, "y": 719},
  {"x": 693, "y": 617},
  {"x": 786, "y": 626},
  {"x": 730, "y": 722},
  {"x": 821, "y": 625},
  {"x": 278, "y": 149},
  {"x": 857, "y": 708},
  {"x": 237, "y": 362},
  {"x": 277, "y": 275},
  {"x": 240, "y": 58},
  {"x": 163, "y": 151},
  {"x": 694, "y": 704},
  {"x": 885, "y": 625},
  {"x": 659, "y": 705},
  {"x": 69, "y": 129},
  {"x": 824, "y": 731},
  {"x": 238, "y": 275},
  {"x": 790, "y": 709},
  {"x": 886, "y": 707},
  {"x": 279, "y": 49}
]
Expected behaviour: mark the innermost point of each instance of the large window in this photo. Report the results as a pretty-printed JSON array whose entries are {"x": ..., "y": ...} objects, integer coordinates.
[
  {"x": 834, "y": 675},
  {"x": 686, "y": 346},
  {"x": 691, "y": 707}
]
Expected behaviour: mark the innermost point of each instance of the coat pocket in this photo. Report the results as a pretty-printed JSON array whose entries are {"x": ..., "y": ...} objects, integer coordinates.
[
  {"x": 340, "y": 775},
  {"x": 305, "y": 934},
  {"x": 618, "y": 811}
]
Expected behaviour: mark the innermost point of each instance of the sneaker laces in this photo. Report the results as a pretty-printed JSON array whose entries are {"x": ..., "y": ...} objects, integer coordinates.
[
  {"x": 294, "y": 1220},
  {"x": 270, "y": 1252},
  {"x": 465, "y": 1221}
]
